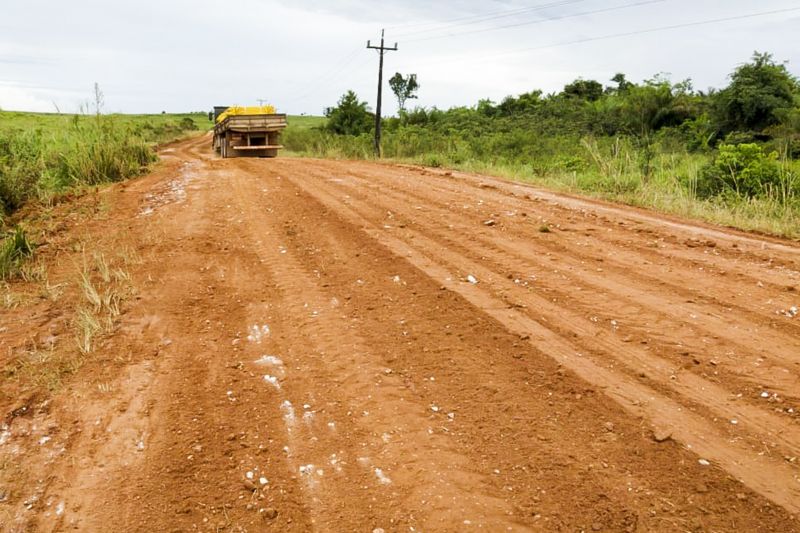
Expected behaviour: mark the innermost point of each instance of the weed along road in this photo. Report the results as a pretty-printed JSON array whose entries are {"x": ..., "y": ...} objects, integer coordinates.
[{"x": 323, "y": 345}]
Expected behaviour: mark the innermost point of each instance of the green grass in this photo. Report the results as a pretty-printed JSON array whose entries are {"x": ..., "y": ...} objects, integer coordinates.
[
  {"x": 25, "y": 119},
  {"x": 305, "y": 122},
  {"x": 15, "y": 248},
  {"x": 162, "y": 127},
  {"x": 669, "y": 190},
  {"x": 43, "y": 155}
]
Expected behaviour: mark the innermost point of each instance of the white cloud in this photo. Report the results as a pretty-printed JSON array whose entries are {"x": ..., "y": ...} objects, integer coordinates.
[
  {"x": 178, "y": 55},
  {"x": 19, "y": 99}
]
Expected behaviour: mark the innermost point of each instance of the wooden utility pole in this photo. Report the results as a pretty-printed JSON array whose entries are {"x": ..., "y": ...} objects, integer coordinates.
[{"x": 381, "y": 50}]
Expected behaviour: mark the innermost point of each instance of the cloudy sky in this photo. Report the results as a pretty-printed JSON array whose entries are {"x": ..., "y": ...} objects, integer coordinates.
[{"x": 301, "y": 55}]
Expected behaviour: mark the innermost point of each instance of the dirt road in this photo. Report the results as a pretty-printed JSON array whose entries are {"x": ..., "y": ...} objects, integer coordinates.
[{"x": 347, "y": 346}]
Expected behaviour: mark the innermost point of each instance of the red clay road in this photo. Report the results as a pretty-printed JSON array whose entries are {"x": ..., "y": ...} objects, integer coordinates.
[{"x": 351, "y": 346}]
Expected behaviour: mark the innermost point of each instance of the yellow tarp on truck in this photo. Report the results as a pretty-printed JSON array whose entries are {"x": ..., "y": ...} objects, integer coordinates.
[{"x": 246, "y": 110}]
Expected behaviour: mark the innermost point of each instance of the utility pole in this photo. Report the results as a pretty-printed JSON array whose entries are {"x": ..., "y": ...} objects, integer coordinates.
[
  {"x": 381, "y": 51},
  {"x": 261, "y": 101}
]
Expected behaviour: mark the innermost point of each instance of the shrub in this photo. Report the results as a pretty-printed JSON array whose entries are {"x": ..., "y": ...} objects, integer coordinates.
[
  {"x": 188, "y": 124},
  {"x": 349, "y": 117},
  {"x": 743, "y": 169}
]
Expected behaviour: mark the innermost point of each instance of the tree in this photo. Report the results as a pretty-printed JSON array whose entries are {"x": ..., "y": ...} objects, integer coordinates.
[
  {"x": 759, "y": 92},
  {"x": 589, "y": 90},
  {"x": 404, "y": 88},
  {"x": 524, "y": 103},
  {"x": 622, "y": 83},
  {"x": 651, "y": 106},
  {"x": 350, "y": 116}
]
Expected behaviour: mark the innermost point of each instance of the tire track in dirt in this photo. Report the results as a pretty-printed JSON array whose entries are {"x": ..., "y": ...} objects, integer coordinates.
[
  {"x": 606, "y": 209},
  {"x": 516, "y": 259},
  {"x": 755, "y": 471},
  {"x": 569, "y": 446},
  {"x": 382, "y": 427},
  {"x": 619, "y": 261},
  {"x": 283, "y": 332},
  {"x": 205, "y": 427},
  {"x": 490, "y": 190}
]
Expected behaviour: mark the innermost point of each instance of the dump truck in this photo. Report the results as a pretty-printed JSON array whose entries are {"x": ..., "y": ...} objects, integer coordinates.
[{"x": 247, "y": 131}]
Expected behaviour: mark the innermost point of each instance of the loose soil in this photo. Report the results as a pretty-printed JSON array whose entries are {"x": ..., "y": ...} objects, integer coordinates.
[{"x": 349, "y": 346}]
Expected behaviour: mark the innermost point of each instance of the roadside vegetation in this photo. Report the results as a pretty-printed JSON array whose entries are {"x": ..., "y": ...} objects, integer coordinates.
[
  {"x": 44, "y": 155},
  {"x": 730, "y": 156},
  {"x": 47, "y": 155}
]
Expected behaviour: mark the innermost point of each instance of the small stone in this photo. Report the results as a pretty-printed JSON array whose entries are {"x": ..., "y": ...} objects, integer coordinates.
[
  {"x": 378, "y": 530},
  {"x": 270, "y": 513},
  {"x": 704, "y": 462},
  {"x": 249, "y": 484},
  {"x": 490, "y": 222},
  {"x": 609, "y": 426},
  {"x": 661, "y": 434},
  {"x": 702, "y": 488},
  {"x": 741, "y": 496},
  {"x": 597, "y": 526}
]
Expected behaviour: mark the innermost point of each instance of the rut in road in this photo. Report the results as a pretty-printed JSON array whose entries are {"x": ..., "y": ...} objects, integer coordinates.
[
  {"x": 745, "y": 462},
  {"x": 312, "y": 355}
]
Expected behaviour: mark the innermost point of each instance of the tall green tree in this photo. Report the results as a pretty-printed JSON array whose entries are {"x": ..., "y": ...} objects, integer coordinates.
[
  {"x": 524, "y": 103},
  {"x": 759, "y": 93},
  {"x": 622, "y": 83},
  {"x": 589, "y": 90},
  {"x": 651, "y": 106},
  {"x": 350, "y": 116},
  {"x": 404, "y": 88}
]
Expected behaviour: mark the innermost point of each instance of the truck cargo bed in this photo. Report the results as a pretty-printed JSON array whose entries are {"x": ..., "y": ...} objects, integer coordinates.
[{"x": 249, "y": 135}]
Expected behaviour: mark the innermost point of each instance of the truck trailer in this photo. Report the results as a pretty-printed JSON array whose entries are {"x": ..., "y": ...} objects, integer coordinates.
[{"x": 247, "y": 131}]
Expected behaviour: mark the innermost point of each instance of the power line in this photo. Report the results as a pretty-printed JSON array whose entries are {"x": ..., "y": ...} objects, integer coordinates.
[
  {"x": 539, "y": 21},
  {"x": 504, "y": 12},
  {"x": 622, "y": 34},
  {"x": 495, "y": 16},
  {"x": 341, "y": 67}
]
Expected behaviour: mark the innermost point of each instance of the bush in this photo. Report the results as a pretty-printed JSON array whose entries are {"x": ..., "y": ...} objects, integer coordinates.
[
  {"x": 349, "y": 117},
  {"x": 743, "y": 169},
  {"x": 187, "y": 124}
]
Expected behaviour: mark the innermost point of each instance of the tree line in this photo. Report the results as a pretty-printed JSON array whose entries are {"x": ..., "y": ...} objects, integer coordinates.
[{"x": 748, "y": 126}]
